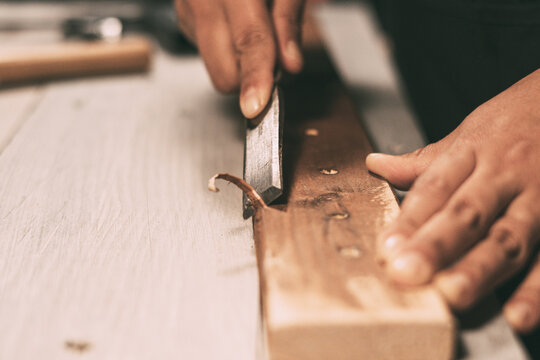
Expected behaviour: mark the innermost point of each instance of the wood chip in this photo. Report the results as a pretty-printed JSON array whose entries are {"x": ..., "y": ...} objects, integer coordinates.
[
  {"x": 253, "y": 196},
  {"x": 329, "y": 171}
]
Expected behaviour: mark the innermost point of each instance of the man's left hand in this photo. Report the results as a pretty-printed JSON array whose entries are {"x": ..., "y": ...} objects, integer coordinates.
[{"x": 472, "y": 217}]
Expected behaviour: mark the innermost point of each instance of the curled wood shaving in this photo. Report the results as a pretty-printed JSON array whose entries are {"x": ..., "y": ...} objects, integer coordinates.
[
  {"x": 253, "y": 196},
  {"x": 329, "y": 171}
]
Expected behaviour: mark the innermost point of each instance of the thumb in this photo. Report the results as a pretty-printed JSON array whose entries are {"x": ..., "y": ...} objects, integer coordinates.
[{"x": 402, "y": 170}]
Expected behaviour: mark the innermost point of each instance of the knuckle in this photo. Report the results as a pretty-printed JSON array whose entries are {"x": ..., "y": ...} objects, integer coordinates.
[
  {"x": 249, "y": 38},
  {"x": 425, "y": 151},
  {"x": 519, "y": 151},
  {"x": 433, "y": 183},
  {"x": 409, "y": 222},
  {"x": 419, "y": 152},
  {"x": 225, "y": 80},
  {"x": 468, "y": 211},
  {"x": 225, "y": 86},
  {"x": 508, "y": 238},
  {"x": 436, "y": 251},
  {"x": 433, "y": 251}
]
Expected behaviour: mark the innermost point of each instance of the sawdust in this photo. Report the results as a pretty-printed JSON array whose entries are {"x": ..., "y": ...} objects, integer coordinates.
[{"x": 329, "y": 171}]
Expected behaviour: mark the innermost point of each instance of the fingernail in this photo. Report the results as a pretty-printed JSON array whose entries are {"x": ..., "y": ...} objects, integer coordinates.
[
  {"x": 391, "y": 244},
  {"x": 250, "y": 103},
  {"x": 454, "y": 288},
  {"x": 376, "y": 155},
  {"x": 410, "y": 268},
  {"x": 517, "y": 314},
  {"x": 372, "y": 161},
  {"x": 293, "y": 51}
]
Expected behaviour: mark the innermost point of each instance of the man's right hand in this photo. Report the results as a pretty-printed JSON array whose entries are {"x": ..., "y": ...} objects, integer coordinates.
[{"x": 242, "y": 42}]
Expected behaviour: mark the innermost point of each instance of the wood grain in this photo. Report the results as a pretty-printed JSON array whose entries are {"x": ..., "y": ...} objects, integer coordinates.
[
  {"x": 111, "y": 247},
  {"x": 323, "y": 295},
  {"x": 16, "y": 105}
]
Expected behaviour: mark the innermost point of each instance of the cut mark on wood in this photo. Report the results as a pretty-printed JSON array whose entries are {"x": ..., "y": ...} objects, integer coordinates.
[
  {"x": 238, "y": 269},
  {"x": 77, "y": 345},
  {"x": 329, "y": 171},
  {"x": 349, "y": 252},
  {"x": 339, "y": 216},
  {"x": 253, "y": 196}
]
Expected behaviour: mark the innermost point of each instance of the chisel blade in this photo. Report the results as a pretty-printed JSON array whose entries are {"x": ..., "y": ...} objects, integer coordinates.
[{"x": 263, "y": 153}]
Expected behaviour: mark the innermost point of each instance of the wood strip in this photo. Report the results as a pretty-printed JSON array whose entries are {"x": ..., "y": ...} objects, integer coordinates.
[
  {"x": 75, "y": 59},
  {"x": 323, "y": 295}
]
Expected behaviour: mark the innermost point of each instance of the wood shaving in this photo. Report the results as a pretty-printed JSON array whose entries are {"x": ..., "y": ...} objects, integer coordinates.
[
  {"x": 79, "y": 346},
  {"x": 253, "y": 196},
  {"x": 329, "y": 171},
  {"x": 351, "y": 252}
]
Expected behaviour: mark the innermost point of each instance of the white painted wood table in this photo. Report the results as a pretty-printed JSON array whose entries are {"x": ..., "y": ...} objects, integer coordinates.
[{"x": 108, "y": 235}]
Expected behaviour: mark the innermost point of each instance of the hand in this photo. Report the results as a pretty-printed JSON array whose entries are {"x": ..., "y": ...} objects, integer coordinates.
[
  {"x": 241, "y": 41},
  {"x": 472, "y": 216}
]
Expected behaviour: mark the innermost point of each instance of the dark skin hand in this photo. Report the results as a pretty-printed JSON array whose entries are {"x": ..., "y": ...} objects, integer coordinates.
[
  {"x": 243, "y": 41},
  {"x": 472, "y": 216}
]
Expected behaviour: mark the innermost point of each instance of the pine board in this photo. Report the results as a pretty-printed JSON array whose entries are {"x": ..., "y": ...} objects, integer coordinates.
[{"x": 323, "y": 294}]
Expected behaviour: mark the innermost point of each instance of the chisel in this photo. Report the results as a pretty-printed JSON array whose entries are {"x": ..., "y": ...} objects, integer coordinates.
[{"x": 263, "y": 152}]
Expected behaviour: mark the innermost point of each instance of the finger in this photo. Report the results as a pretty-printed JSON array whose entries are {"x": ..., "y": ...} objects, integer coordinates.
[
  {"x": 185, "y": 17},
  {"x": 502, "y": 253},
  {"x": 216, "y": 48},
  {"x": 402, "y": 170},
  {"x": 254, "y": 42},
  {"x": 287, "y": 16},
  {"x": 429, "y": 194},
  {"x": 446, "y": 236},
  {"x": 522, "y": 311}
]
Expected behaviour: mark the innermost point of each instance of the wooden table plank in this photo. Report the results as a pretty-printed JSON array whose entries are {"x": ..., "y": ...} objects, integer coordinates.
[
  {"x": 110, "y": 243},
  {"x": 16, "y": 105}
]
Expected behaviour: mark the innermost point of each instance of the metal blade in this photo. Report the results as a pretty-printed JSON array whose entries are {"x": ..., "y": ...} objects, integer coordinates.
[{"x": 262, "y": 153}]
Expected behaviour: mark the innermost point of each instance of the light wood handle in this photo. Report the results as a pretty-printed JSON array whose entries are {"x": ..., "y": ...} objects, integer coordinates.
[{"x": 75, "y": 59}]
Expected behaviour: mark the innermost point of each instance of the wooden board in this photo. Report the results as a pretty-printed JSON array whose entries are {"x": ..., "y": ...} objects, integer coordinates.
[
  {"x": 357, "y": 46},
  {"x": 323, "y": 295}
]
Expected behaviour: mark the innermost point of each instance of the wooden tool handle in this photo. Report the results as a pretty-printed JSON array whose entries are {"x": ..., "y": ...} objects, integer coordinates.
[{"x": 75, "y": 59}]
